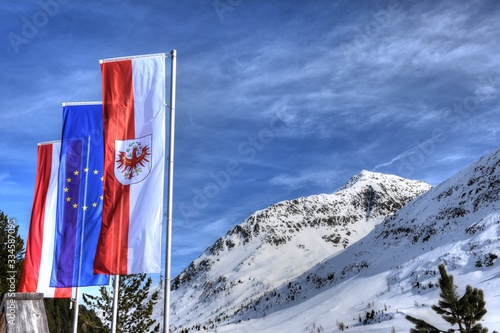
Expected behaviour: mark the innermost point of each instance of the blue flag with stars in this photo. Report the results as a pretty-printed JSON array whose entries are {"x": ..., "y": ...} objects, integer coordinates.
[{"x": 79, "y": 197}]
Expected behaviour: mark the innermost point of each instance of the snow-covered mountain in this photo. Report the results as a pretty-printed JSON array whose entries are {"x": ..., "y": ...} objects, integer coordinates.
[
  {"x": 279, "y": 243},
  {"x": 353, "y": 260}
]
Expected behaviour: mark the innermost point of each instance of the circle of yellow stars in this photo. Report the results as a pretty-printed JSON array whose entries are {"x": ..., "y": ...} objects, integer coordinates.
[{"x": 76, "y": 173}]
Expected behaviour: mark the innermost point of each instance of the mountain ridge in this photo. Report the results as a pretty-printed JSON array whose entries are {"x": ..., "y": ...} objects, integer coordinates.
[
  {"x": 328, "y": 219},
  {"x": 463, "y": 235},
  {"x": 359, "y": 263}
]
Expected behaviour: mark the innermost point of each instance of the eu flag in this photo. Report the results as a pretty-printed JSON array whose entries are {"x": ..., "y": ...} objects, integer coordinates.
[{"x": 79, "y": 198}]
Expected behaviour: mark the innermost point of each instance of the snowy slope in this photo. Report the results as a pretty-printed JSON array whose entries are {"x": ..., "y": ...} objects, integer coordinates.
[
  {"x": 393, "y": 270},
  {"x": 346, "y": 263},
  {"x": 280, "y": 243}
]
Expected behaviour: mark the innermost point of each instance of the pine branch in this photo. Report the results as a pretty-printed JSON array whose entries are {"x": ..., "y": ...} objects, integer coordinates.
[
  {"x": 463, "y": 311},
  {"x": 421, "y": 326}
]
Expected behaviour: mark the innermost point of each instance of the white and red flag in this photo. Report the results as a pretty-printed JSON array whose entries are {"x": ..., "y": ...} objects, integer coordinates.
[
  {"x": 37, "y": 266},
  {"x": 134, "y": 162}
]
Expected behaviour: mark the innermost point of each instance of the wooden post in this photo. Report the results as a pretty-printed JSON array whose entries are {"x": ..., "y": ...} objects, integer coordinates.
[{"x": 23, "y": 312}]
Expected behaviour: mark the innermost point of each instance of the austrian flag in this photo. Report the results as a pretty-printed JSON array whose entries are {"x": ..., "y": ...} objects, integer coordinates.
[
  {"x": 38, "y": 261},
  {"x": 134, "y": 161}
]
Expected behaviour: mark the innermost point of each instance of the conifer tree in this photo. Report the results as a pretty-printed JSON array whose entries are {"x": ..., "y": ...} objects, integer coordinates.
[
  {"x": 135, "y": 305},
  {"x": 463, "y": 311},
  {"x": 60, "y": 317}
]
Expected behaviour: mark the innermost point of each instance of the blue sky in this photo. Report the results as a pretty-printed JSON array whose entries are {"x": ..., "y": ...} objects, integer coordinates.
[{"x": 275, "y": 99}]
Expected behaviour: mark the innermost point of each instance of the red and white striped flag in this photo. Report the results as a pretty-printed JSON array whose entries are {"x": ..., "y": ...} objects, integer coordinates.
[
  {"x": 134, "y": 161},
  {"x": 37, "y": 266}
]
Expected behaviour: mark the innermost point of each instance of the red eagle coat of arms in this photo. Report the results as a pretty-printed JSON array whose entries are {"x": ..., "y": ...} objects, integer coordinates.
[{"x": 132, "y": 160}]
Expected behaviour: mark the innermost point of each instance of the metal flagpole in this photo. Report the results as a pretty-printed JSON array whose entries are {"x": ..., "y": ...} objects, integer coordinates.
[
  {"x": 116, "y": 292},
  {"x": 82, "y": 232},
  {"x": 75, "y": 310},
  {"x": 166, "y": 307}
]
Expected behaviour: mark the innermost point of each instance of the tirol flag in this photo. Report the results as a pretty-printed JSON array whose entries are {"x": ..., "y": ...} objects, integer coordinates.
[
  {"x": 134, "y": 160},
  {"x": 80, "y": 197},
  {"x": 35, "y": 276}
]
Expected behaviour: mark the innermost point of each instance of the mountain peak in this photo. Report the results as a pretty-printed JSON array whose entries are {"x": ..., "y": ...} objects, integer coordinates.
[
  {"x": 365, "y": 176},
  {"x": 305, "y": 230},
  {"x": 375, "y": 241},
  {"x": 370, "y": 178}
]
